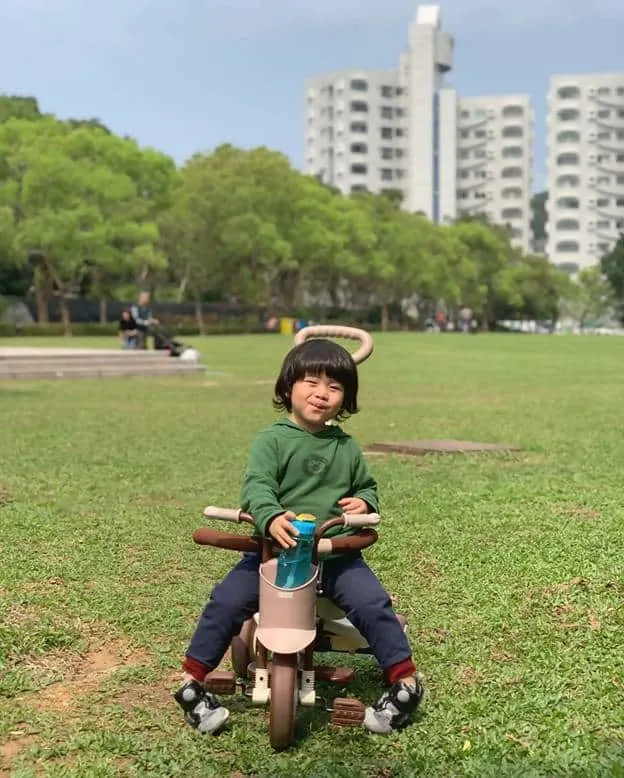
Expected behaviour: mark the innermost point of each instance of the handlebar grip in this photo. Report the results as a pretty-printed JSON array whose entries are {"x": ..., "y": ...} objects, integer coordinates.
[
  {"x": 361, "y": 519},
  {"x": 227, "y": 514}
]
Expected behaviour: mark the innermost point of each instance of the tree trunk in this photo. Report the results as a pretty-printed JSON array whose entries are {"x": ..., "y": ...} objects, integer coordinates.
[
  {"x": 103, "y": 310},
  {"x": 65, "y": 315},
  {"x": 183, "y": 284},
  {"x": 41, "y": 295},
  {"x": 199, "y": 317},
  {"x": 385, "y": 318}
]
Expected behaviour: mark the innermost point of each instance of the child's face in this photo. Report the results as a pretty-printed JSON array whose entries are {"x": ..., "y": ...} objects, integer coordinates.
[{"x": 315, "y": 400}]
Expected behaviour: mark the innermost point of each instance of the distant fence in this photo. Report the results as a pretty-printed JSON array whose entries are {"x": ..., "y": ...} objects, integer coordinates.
[{"x": 83, "y": 311}]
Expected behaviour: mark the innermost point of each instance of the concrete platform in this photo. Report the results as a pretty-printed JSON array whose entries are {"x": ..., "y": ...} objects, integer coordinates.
[
  {"x": 40, "y": 363},
  {"x": 422, "y": 447}
]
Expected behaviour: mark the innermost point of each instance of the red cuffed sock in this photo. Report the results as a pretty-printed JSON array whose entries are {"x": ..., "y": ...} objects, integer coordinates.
[
  {"x": 195, "y": 668},
  {"x": 401, "y": 670}
]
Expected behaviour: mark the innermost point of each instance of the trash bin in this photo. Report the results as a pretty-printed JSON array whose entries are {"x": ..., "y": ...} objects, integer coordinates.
[{"x": 287, "y": 325}]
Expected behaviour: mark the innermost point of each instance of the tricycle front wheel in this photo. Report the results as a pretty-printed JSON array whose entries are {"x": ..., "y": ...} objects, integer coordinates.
[{"x": 284, "y": 696}]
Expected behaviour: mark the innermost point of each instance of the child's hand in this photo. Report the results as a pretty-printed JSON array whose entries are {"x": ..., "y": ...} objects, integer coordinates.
[
  {"x": 282, "y": 530},
  {"x": 353, "y": 505}
]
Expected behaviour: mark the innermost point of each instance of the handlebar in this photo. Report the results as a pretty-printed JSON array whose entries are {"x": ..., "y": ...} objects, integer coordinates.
[
  {"x": 349, "y": 333},
  {"x": 206, "y": 536}
]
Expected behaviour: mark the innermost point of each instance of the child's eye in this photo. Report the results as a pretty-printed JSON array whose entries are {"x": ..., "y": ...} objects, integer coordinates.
[{"x": 336, "y": 388}]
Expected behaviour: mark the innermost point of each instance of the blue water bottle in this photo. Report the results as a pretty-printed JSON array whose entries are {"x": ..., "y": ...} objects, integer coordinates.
[{"x": 293, "y": 564}]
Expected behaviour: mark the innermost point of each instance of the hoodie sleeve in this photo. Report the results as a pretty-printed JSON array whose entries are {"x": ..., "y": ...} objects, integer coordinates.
[
  {"x": 260, "y": 486},
  {"x": 364, "y": 485}
]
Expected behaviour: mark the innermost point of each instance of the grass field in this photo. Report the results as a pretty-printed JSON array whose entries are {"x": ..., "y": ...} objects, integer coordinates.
[{"x": 508, "y": 567}]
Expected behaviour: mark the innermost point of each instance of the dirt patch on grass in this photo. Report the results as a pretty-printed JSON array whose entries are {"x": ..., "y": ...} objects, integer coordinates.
[
  {"x": 559, "y": 588},
  {"x": 468, "y": 676},
  {"x": 573, "y": 510},
  {"x": 80, "y": 673},
  {"x": 12, "y": 748},
  {"x": 143, "y": 695},
  {"x": 6, "y": 498}
]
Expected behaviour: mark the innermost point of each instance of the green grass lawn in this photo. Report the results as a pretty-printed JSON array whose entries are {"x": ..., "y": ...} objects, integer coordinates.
[{"x": 508, "y": 567}]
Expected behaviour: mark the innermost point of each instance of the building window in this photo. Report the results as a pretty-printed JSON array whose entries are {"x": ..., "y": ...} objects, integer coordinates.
[
  {"x": 513, "y": 152},
  {"x": 358, "y": 188},
  {"x": 359, "y": 127},
  {"x": 568, "y": 225},
  {"x": 568, "y": 115},
  {"x": 386, "y": 112},
  {"x": 568, "y": 246},
  {"x": 512, "y": 172},
  {"x": 568, "y": 159},
  {"x": 359, "y": 148},
  {"x": 399, "y": 153},
  {"x": 386, "y": 153},
  {"x": 512, "y": 213},
  {"x": 399, "y": 133},
  {"x": 513, "y": 111},
  {"x": 480, "y": 134},
  {"x": 465, "y": 114},
  {"x": 568, "y": 92},
  {"x": 512, "y": 132},
  {"x": 603, "y": 202},
  {"x": 604, "y": 114},
  {"x": 566, "y": 203},
  {"x": 359, "y": 170},
  {"x": 569, "y": 136},
  {"x": 386, "y": 133},
  {"x": 386, "y": 91},
  {"x": 464, "y": 134},
  {"x": 359, "y": 85},
  {"x": 386, "y": 174},
  {"x": 512, "y": 193},
  {"x": 603, "y": 224},
  {"x": 568, "y": 182}
]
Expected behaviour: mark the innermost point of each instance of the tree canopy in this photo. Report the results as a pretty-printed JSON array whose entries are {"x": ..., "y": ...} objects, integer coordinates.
[{"x": 84, "y": 211}]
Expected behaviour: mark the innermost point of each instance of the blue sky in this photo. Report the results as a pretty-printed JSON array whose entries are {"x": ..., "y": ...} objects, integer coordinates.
[{"x": 185, "y": 75}]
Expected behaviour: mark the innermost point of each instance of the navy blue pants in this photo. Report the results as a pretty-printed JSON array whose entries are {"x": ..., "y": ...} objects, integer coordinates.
[{"x": 347, "y": 580}]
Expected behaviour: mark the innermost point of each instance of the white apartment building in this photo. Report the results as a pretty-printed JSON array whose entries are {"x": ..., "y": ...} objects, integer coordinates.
[
  {"x": 406, "y": 129},
  {"x": 495, "y": 162},
  {"x": 395, "y": 129},
  {"x": 585, "y": 167}
]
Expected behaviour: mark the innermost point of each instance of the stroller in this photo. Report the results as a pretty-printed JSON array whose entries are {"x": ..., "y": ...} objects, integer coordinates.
[{"x": 164, "y": 340}]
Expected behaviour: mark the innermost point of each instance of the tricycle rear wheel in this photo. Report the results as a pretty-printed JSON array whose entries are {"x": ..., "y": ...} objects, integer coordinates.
[{"x": 242, "y": 647}]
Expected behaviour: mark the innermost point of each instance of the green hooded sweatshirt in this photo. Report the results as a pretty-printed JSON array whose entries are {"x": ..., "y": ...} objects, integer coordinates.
[{"x": 291, "y": 469}]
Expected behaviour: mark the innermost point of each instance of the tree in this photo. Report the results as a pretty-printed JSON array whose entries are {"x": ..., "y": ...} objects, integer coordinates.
[
  {"x": 495, "y": 264},
  {"x": 81, "y": 200},
  {"x": 612, "y": 266},
  {"x": 539, "y": 220},
  {"x": 15, "y": 107},
  {"x": 590, "y": 297}
]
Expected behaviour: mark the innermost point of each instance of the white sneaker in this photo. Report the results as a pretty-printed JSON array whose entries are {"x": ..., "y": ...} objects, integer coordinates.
[{"x": 202, "y": 710}]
